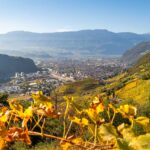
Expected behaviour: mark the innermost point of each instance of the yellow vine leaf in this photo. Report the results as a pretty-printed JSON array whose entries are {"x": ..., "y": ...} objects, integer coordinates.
[
  {"x": 2, "y": 143},
  {"x": 96, "y": 100},
  {"x": 78, "y": 141},
  {"x": 66, "y": 146},
  {"x": 3, "y": 118},
  {"x": 28, "y": 112},
  {"x": 16, "y": 107},
  {"x": 45, "y": 107},
  {"x": 4, "y": 114},
  {"x": 41, "y": 100},
  {"x": 127, "y": 110},
  {"x": 69, "y": 99},
  {"x": 100, "y": 108},
  {"x": 83, "y": 121},
  {"x": 3, "y": 134},
  {"x": 17, "y": 134},
  {"x": 94, "y": 110},
  {"x": 27, "y": 115},
  {"x": 74, "y": 141},
  {"x": 92, "y": 114}
]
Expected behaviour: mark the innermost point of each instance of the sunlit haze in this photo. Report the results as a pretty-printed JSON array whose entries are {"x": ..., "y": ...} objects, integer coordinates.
[{"x": 69, "y": 15}]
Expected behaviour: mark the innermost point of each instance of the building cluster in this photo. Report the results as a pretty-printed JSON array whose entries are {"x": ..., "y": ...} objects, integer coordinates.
[
  {"x": 45, "y": 80},
  {"x": 54, "y": 73}
]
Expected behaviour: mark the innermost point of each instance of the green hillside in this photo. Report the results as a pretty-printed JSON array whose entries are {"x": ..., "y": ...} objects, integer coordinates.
[
  {"x": 132, "y": 55},
  {"x": 142, "y": 66},
  {"x": 130, "y": 86},
  {"x": 137, "y": 88}
]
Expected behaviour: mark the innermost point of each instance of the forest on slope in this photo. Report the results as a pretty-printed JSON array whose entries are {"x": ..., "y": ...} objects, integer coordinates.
[
  {"x": 10, "y": 64},
  {"x": 132, "y": 55}
]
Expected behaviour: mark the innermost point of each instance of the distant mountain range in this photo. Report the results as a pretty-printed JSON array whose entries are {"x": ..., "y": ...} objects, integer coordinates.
[
  {"x": 69, "y": 44},
  {"x": 133, "y": 54},
  {"x": 9, "y": 65}
]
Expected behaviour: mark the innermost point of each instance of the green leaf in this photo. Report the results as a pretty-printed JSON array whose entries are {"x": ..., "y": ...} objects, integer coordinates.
[
  {"x": 144, "y": 121},
  {"x": 141, "y": 142},
  {"x": 127, "y": 110},
  {"x": 123, "y": 145},
  {"x": 107, "y": 132},
  {"x": 126, "y": 132}
]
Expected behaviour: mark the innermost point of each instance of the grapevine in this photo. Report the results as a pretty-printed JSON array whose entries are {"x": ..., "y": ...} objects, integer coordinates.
[{"x": 96, "y": 124}]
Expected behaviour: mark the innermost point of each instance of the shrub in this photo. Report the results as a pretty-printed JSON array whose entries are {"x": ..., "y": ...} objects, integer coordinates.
[{"x": 3, "y": 99}]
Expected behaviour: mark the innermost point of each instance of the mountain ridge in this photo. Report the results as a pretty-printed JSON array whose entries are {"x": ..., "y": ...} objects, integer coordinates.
[
  {"x": 96, "y": 42},
  {"x": 132, "y": 55},
  {"x": 10, "y": 64}
]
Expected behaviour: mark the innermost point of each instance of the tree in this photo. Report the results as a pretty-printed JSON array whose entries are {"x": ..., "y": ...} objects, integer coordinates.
[{"x": 3, "y": 99}]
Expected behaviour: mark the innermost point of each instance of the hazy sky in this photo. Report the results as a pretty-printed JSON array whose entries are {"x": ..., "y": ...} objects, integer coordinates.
[{"x": 66, "y": 15}]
